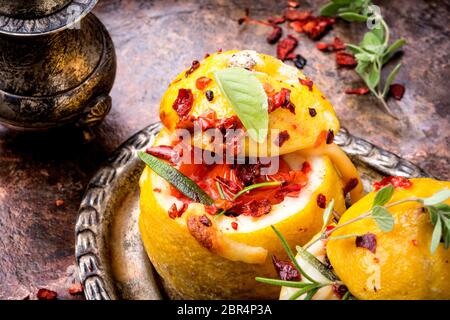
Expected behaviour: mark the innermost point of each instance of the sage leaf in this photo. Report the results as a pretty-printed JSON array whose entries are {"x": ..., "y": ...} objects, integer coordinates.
[
  {"x": 185, "y": 185},
  {"x": 352, "y": 17},
  {"x": 436, "y": 198},
  {"x": 434, "y": 214},
  {"x": 391, "y": 78},
  {"x": 327, "y": 213},
  {"x": 436, "y": 237},
  {"x": 383, "y": 218},
  {"x": 246, "y": 95},
  {"x": 383, "y": 196}
]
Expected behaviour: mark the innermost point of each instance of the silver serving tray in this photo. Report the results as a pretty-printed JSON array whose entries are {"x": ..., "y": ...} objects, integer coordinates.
[{"x": 111, "y": 260}]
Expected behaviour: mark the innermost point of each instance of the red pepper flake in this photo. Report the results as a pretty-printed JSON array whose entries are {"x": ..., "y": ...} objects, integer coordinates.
[
  {"x": 283, "y": 136},
  {"x": 293, "y": 4},
  {"x": 286, "y": 46},
  {"x": 248, "y": 173},
  {"x": 234, "y": 225},
  {"x": 345, "y": 59},
  {"x": 306, "y": 82},
  {"x": 297, "y": 15},
  {"x": 175, "y": 213},
  {"x": 286, "y": 270},
  {"x": 315, "y": 27},
  {"x": 281, "y": 99},
  {"x": 276, "y": 20},
  {"x": 350, "y": 185},
  {"x": 329, "y": 228},
  {"x": 45, "y": 294},
  {"x": 195, "y": 65},
  {"x": 322, "y": 46},
  {"x": 368, "y": 241},
  {"x": 312, "y": 112},
  {"x": 204, "y": 220},
  {"x": 76, "y": 289},
  {"x": 358, "y": 91},
  {"x": 321, "y": 201},
  {"x": 229, "y": 184},
  {"x": 330, "y": 136},
  {"x": 338, "y": 44},
  {"x": 275, "y": 35},
  {"x": 157, "y": 190},
  {"x": 164, "y": 152},
  {"x": 340, "y": 290},
  {"x": 397, "y": 182},
  {"x": 206, "y": 55},
  {"x": 415, "y": 242},
  {"x": 297, "y": 26},
  {"x": 397, "y": 91},
  {"x": 306, "y": 167},
  {"x": 252, "y": 208},
  {"x": 59, "y": 202},
  {"x": 202, "y": 82},
  {"x": 183, "y": 103}
]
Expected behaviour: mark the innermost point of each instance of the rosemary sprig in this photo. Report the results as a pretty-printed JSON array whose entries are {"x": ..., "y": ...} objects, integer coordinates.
[{"x": 374, "y": 50}]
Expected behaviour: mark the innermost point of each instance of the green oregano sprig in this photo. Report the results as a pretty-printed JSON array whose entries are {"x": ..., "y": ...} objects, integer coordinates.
[{"x": 374, "y": 51}]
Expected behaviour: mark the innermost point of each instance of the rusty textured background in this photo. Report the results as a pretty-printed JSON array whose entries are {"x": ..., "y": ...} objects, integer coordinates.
[{"x": 154, "y": 41}]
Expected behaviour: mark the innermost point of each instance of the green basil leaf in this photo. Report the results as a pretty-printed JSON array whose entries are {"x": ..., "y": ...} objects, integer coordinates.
[
  {"x": 436, "y": 198},
  {"x": 246, "y": 95},
  {"x": 391, "y": 78},
  {"x": 352, "y": 17},
  {"x": 383, "y": 195},
  {"x": 436, "y": 237},
  {"x": 330, "y": 9},
  {"x": 383, "y": 218},
  {"x": 185, "y": 185},
  {"x": 327, "y": 212}
]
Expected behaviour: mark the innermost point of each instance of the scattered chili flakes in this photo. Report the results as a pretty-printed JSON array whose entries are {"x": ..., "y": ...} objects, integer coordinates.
[
  {"x": 195, "y": 65},
  {"x": 345, "y": 59},
  {"x": 76, "y": 289},
  {"x": 321, "y": 201},
  {"x": 350, "y": 185},
  {"x": 306, "y": 167},
  {"x": 234, "y": 225},
  {"x": 183, "y": 103},
  {"x": 336, "y": 45},
  {"x": 296, "y": 15},
  {"x": 275, "y": 35},
  {"x": 397, "y": 91},
  {"x": 45, "y": 294},
  {"x": 175, "y": 213},
  {"x": 322, "y": 46},
  {"x": 253, "y": 208},
  {"x": 286, "y": 46},
  {"x": 340, "y": 290},
  {"x": 59, "y": 202},
  {"x": 164, "y": 152},
  {"x": 286, "y": 270},
  {"x": 248, "y": 173},
  {"x": 283, "y": 136},
  {"x": 330, "y": 136},
  {"x": 276, "y": 20},
  {"x": 358, "y": 91},
  {"x": 397, "y": 182},
  {"x": 281, "y": 99},
  {"x": 368, "y": 241},
  {"x": 312, "y": 112},
  {"x": 202, "y": 82},
  {"x": 306, "y": 82}
]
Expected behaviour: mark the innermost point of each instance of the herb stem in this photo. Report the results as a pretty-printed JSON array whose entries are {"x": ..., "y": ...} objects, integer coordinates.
[
  {"x": 219, "y": 188},
  {"x": 257, "y": 185}
]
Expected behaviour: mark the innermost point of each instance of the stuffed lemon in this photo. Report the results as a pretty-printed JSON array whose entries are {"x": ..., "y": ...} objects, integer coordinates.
[
  {"x": 397, "y": 252},
  {"x": 205, "y": 219}
]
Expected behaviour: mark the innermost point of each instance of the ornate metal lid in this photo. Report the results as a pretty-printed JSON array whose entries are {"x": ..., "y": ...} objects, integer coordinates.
[{"x": 32, "y": 18}]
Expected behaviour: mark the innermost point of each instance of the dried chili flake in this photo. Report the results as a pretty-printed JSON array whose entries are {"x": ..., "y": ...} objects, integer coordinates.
[
  {"x": 76, "y": 289},
  {"x": 174, "y": 212},
  {"x": 397, "y": 182},
  {"x": 297, "y": 26},
  {"x": 228, "y": 184},
  {"x": 321, "y": 201},
  {"x": 296, "y": 15},
  {"x": 338, "y": 44},
  {"x": 322, "y": 46},
  {"x": 345, "y": 59},
  {"x": 45, "y": 294},
  {"x": 312, "y": 112},
  {"x": 209, "y": 95},
  {"x": 164, "y": 152},
  {"x": 397, "y": 91},
  {"x": 330, "y": 136},
  {"x": 293, "y": 4},
  {"x": 317, "y": 26},
  {"x": 281, "y": 99},
  {"x": 368, "y": 241},
  {"x": 286, "y": 270},
  {"x": 291, "y": 190},
  {"x": 276, "y": 20},
  {"x": 183, "y": 103},
  {"x": 340, "y": 290},
  {"x": 350, "y": 185},
  {"x": 283, "y": 136},
  {"x": 234, "y": 225},
  {"x": 253, "y": 208},
  {"x": 306, "y": 82},
  {"x": 306, "y": 167},
  {"x": 358, "y": 91},
  {"x": 157, "y": 190},
  {"x": 59, "y": 202},
  {"x": 204, "y": 220},
  {"x": 286, "y": 46},
  {"x": 275, "y": 35},
  {"x": 300, "y": 61},
  {"x": 248, "y": 173},
  {"x": 195, "y": 65},
  {"x": 202, "y": 82}
]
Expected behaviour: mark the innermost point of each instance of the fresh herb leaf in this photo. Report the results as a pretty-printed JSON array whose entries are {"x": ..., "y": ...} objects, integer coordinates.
[
  {"x": 436, "y": 237},
  {"x": 185, "y": 185},
  {"x": 436, "y": 198},
  {"x": 383, "y": 218},
  {"x": 391, "y": 78},
  {"x": 383, "y": 196},
  {"x": 327, "y": 213},
  {"x": 257, "y": 185},
  {"x": 283, "y": 283},
  {"x": 394, "y": 47},
  {"x": 329, "y": 9},
  {"x": 319, "y": 266},
  {"x": 352, "y": 17},
  {"x": 246, "y": 95}
]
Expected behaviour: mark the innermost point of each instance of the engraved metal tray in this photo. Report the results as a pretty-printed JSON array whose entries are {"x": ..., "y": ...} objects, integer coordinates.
[{"x": 110, "y": 257}]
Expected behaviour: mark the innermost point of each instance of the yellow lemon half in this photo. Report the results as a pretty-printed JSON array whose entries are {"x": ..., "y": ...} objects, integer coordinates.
[{"x": 402, "y": 266}]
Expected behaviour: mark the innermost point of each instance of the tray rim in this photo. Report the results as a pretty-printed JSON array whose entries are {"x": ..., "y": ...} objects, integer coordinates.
[{"x": 90, "y": 243}]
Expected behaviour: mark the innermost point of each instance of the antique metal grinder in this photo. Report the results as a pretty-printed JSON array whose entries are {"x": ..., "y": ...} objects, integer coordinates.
[{"x": 57, "y": 64}]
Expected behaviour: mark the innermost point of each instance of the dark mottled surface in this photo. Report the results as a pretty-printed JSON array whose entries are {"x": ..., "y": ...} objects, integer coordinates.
[{"x": 154, "y": 41}]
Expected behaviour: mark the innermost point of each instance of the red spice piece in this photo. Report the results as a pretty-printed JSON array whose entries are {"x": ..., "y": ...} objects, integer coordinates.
[
  {"x": 281, "y": 99},
  {"x": 306, "y": 167},
  {"x": 234, "y": 225},
  {"x": 283, "y": 136},
  {"x": 248, "y": 173},
  {"x": 157, "y": 190},
  {"x": 286, "y": 46},
  {"x": 59, "y": 202},
  {"x": 45, "y": 294},
  {"x": 329, "y": 228},
  {"x": 321, "y": 201},
  {"x": 297, "y": 26},
  {"x": 204, "y": 220},
  {"x": 338, "y": 44},
  {"x": 175, "y": 213},
  {"x": 276, "y": 20},
  {"x": 212, "y": 210},
  {"x": 229, "y": 184},
  {"x": 206, "y": 55},
  {"x": 195, "y": 65},
  {"x": 295, "y": 15},
  {"x": 292, "y": 190},
  {"x": 312, "y": 112},
  {"x": 253, "y": 208},
  {"x": 286, "y": 270},
  {"x": 163, "y": 152},
  {"x": 397, "y": 182},
  {"x": 415, "y": 242},
  {"x": 358, "y": 91},
  {"x": 350, "y": 185},
  {"x": 76, "y": 289},
  {"x": 306, "y": 82},
  {"x": 345, "y": 59},
  {"x": 322, "y": 46},
  {"x": 397, "y": 91},
  {"x": 293, "y": 4},
  {"x": 330, "y": 137},
  {"x": 340, "y": 290},
  {"x": 183, "y": 103},
  {"x": 317, "y": 26},
  {"x": 202, "y": 82},
  {"x": 368, "y": 241},
  {"x": 275, "y": 35}
]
